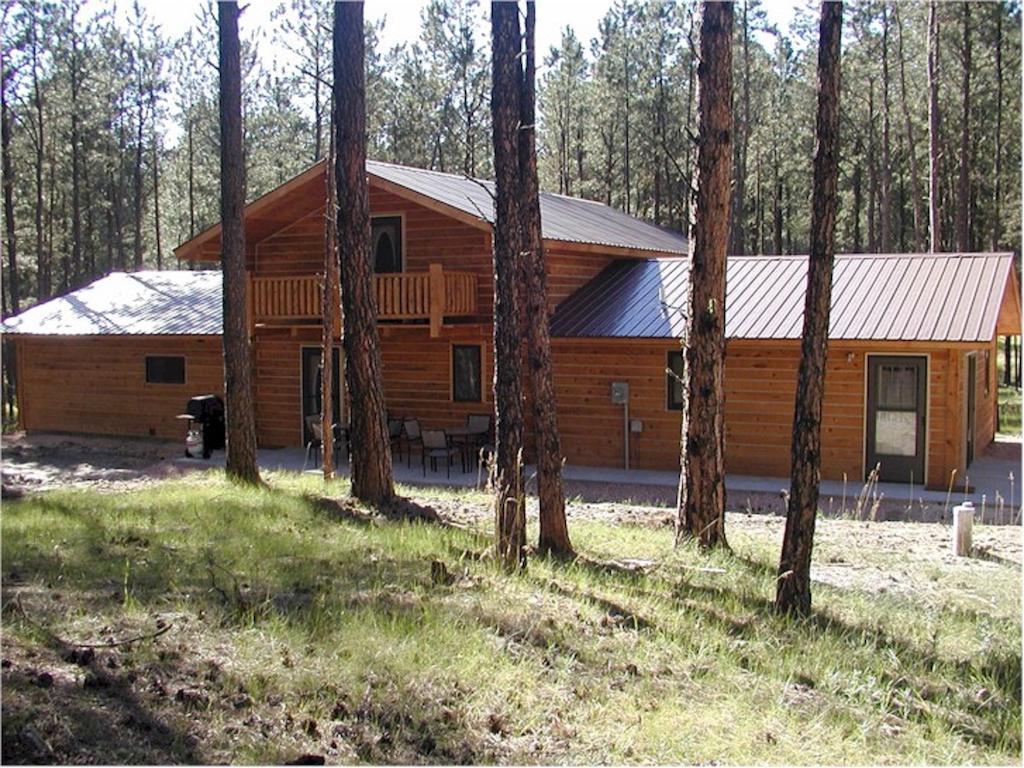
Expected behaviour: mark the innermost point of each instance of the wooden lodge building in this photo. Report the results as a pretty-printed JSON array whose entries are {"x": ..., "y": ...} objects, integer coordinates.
[{"x": 911, "y": 382}]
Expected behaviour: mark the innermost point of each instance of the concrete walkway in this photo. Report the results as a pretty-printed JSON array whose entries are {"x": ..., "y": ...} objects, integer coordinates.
[{"x": 989, "y": 477}]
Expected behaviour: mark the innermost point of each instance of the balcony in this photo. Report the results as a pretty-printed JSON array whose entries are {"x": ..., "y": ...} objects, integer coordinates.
[{"x": 431, "y": 296}]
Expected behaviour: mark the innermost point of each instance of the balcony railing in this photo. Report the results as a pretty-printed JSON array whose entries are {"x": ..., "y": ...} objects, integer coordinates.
[{"x": 432, "y": 296}]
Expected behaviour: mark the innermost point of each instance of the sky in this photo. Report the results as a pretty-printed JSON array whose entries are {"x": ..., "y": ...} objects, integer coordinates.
[{"x": 402, "y": 19}]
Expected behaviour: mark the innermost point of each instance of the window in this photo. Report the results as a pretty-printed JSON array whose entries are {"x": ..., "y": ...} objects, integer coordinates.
[
  {"x": 165, "y": 370},
  {"x": 674, "y": 381},
  {"x": 386, "y": 241},
  {"x": 466, "y": 373}
]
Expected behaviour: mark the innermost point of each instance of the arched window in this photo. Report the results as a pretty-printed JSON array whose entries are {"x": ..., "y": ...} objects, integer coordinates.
[{"x": 386, "y": 241}]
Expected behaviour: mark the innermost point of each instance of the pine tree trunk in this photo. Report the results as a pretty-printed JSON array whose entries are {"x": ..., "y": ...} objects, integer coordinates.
[
  {"x": 885, "y": 176},
  {"x": 371, "y": 450},
  {"x": 793, "y": 593},
  {"x": 43, "y": 273},
  {"x": 8, "y": 185},
  {"x": 997, "y": 172},
  {"x": 742, "y": 134},
  {"x": 701, "y": 507},
  {"x": 916, "y": 192},
  {"x": 510, "y": 511},
  {"x": 140, "y": 125},
  {"x": 156, "y": 177},
  {"x": 554, "y": 533},
  {"x": 934, "y": 137},
  {"x": 963, "y": 242},
  {"x": 76, "y": 162},
  {"x": 872, "y": 172},
  {"x": 191, "y": 178},
  {"x": 330, "y": 306},
  {"x": 238, "y": 386}
]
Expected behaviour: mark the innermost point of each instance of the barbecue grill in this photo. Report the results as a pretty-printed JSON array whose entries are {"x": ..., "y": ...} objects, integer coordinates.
[{"x": 205, "y": 433}]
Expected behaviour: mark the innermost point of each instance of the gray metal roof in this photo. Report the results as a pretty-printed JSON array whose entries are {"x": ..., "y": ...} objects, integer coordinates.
[
  {"x": 135, "y": 303},
  {"x": 562, "y": 218},
  {"x": 905, "y": 297}
]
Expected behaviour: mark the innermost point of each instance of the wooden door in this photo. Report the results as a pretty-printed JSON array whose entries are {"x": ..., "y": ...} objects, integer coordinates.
[{"x": 897, "y": 417}]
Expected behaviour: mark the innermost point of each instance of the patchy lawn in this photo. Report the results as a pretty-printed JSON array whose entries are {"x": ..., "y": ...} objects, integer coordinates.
[{"x": 278, "y": 625}]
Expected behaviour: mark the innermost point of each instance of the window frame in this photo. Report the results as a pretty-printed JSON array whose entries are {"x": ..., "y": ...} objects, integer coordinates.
[
  {"x": 669, "y": 381},
  {"x": 400, "y": 217},
  {"x": 184, "y": 370},
  {"x": 480, "y": 371}
]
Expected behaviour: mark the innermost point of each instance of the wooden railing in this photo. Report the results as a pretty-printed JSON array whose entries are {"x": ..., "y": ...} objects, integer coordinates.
[{"x": 432, "y": 295}]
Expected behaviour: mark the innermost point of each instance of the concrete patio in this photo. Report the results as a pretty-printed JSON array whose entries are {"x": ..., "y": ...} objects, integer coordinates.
[{"x": 989, "y": 479}]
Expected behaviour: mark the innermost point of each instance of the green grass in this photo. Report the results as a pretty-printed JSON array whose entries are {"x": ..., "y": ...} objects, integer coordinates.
[{"x": 304, "y": 630}]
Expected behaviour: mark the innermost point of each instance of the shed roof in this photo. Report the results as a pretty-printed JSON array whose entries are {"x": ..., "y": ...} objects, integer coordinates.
[
  {"x": 905, "y": 297},
  {"x": 137, "y": 303},
  {"x": 564, "y": 219}
]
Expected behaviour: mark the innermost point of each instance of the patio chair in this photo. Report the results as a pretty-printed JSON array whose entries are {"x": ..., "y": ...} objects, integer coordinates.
[
  {"x": 435, "y": 446},
  {"x": 395, "y": 436},
  {"x": 481, "y": 424},
  {"x": 412, "y": 437},
  {"x": 316, "y": 440}
]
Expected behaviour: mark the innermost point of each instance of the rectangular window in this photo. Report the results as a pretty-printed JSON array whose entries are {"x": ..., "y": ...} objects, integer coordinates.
[
  {"x": 466, "y": 373},
  {"x": 165, "y": 369},
  {"x": 674, "y": 381}
]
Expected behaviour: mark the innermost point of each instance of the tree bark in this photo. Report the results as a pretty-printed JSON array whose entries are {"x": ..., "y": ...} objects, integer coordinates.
[
  {"x": 963, "y": 242},
  {"x": 917, "y": 193},
  {"x": 238, "y": 386},
  {"x": 371, "y": 449},
  {"x": 934, "y": 137},
  {"x": 793, "y": 593},
  {"x": 331, "y": 306},
  {"x": 8, "y": 185},
  {"x": 997, "y": 218},
  {"x": 76, "y": 160},
  {"x": 554, "y": 533},
  {"x": 139, "y": 133},
  {"x": 742, "y": 136},
  {"x": 701, "y": 504},
  {"x": 156, "y": 174},
  {"x": 510, "y": 511},
  {"x": 885, "y": 176},
  {"x": 43, "y": 267}
]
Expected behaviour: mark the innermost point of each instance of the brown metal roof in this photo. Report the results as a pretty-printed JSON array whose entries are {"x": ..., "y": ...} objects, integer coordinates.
[
  {"x": 566, "y": 219},
  {"x": 905, "y": 297}
]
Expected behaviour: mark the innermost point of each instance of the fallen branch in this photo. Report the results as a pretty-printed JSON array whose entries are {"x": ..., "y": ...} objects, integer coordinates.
[{"x": 71, "y": 644}]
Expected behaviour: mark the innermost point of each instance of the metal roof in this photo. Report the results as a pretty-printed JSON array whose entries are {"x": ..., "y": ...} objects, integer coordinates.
[
  {"x": 905, "y": 297},
  {"x": 570, "y": 219},
  {"x": 137, "y": 303}
]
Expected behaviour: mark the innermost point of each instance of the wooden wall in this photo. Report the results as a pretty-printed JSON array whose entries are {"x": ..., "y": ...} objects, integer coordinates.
[
  {"x": 97, "y": 384},
  {"x": 760, "y": 387}
]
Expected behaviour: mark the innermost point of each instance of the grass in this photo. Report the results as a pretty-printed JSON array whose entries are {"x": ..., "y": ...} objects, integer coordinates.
[{"x": 301, "y": 627}]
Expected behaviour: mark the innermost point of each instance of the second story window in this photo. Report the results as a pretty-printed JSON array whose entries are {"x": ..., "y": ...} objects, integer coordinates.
[{"x": 386, "y": 243}]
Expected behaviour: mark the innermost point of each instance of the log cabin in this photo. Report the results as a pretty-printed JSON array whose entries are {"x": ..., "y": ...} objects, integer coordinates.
[{"x": 910, "y": 383}]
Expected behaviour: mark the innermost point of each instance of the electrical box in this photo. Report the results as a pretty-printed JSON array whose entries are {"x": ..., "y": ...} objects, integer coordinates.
[
  {"x": 636, "y": 426},
  {"x": 620, "y": 392}
]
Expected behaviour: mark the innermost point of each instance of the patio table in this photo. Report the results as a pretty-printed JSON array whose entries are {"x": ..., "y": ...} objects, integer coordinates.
[{"x": 463, "y": 437}]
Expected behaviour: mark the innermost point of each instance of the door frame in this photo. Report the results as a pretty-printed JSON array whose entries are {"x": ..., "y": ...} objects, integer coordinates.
[
  {"x": 302, "y": 381},
  {"x": 970, "y": 407},
  {"x": 927, "y": 357}
]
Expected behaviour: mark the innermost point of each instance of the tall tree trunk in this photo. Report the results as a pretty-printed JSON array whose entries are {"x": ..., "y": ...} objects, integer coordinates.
[
  {"x": 793, "y": 593},
  {"x": 330, "y": 306},
  {"x": 554, "y": 533},
  {"x": 885, "y": 180},
  {"x": 872, "y": 172},
  {"x": 191, "y": 177},
  {"x": 997, "y": 172},
  {"x": 963, "y": 242},
  {"x": 156, "y": 175},
  {"x": 76, "y": 160},
  {"x": 510, "y": 512},
  {"x": 701, "y": 505},
  {"x": 43, "y": 272},
  {"x": 139, "y": 127},
  {"x": 742, "y": 135},
  {"x": 916, "y": 192},
  {"x": 238, "y": 385},
  {"x": 934, "y": 136},
  {"x": 371, "y": 449},
  {"x": 8, "y": 184},
  {"x": 776, "y": 204},
  {"x": 858, "y": 199}
]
